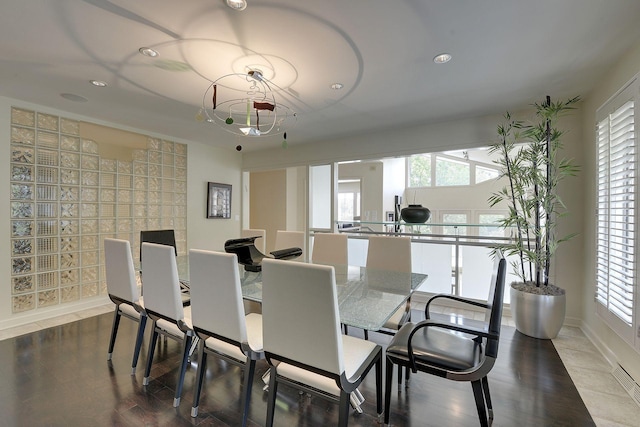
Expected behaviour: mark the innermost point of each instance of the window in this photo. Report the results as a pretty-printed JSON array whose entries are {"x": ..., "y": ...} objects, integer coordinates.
[
  {"x": 454, "y": 218},
  {"x": 616, "y": 197},
  {"x": 452, "y": 168},
  {"x": 451, "y": 172},
  {"x": 349, "y": 200},
  {"x": 492, "y": 219},
  {"x": 485, "y": 174},
  {"x": 420, "y": 170}
]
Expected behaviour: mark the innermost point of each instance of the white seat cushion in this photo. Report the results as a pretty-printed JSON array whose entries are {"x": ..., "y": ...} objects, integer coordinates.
[
  {"x": 172, "y": 328},
  {"x": 254, "y": 336},
  {"x": 355, "y": 352},
  {"x": 254, "y": 331},
  {"x": 129, "y": 310},
  {"x": 225, "y": 348}
]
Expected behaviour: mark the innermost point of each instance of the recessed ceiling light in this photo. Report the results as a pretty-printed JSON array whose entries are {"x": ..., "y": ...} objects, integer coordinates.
[
  {"x": 237, "y": 4},
  {"x": 147, "y": 51},
  {"x": 337, "y": 86},
  {"x": 73, "y": 97},
  {"x": 442, "y": 58},
  {"x": 98, "y": 83}
]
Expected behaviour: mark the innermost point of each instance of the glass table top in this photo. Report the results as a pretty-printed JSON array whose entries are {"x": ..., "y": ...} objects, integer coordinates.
[{"x": 366, "y": 297}]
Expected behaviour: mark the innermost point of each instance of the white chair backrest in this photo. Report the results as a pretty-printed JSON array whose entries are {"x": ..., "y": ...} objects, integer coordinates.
[
  {"x": 260, "y": 243},
  {"x": 330, "y": 248},
  {"x": 289, "y": 239},
  {"x": 300, "y": 317},
  {"x": 216, "y": 295},
  {"x": 160, "y": 281},
  {"x": 119, "y": 270},
  {"x": 389, "y": 253}
]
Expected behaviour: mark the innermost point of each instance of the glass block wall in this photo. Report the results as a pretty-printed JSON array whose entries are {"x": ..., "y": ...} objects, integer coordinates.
[{"x": 66, "y": 198}]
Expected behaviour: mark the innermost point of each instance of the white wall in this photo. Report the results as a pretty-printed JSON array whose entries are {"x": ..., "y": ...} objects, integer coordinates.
[
  {"x": 446, "y": 136},
  {"x": 207, "y": 164},
  {"x": 204, "y": 164}
]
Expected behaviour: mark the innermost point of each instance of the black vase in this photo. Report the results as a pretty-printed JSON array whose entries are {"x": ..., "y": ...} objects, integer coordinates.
[{"x": 415, "y": 214}]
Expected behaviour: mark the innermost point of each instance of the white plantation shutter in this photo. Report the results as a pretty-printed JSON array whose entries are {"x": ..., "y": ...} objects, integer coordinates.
[{"x": 616, "y": 226}]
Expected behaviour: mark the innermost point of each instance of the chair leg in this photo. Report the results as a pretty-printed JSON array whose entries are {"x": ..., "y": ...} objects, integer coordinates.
[
  {"x": 480, "y": 405},
  {"x": 249, "y": 371},
  {"x": 487, "y": 396},
  {"x": 387, "y": 394},
  {"x": 186, "y": 346},
  {"x": 136, "y": 352},
  {"x": 202, "y": 369},
  {"x": 379, "y": 387},
  {"x": 343, "y": 410},
  {"x": 407, "y": 376},
  {"x": 366, "y": 335},
  {"x": 346, "y": 330},
  {"x": 271, "y": 399},
  {"x": 152, "y": 348},
  {"x": 114, "y": 332}
]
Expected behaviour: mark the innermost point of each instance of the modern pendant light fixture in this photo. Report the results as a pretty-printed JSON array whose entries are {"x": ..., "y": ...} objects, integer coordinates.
[{"x": 246, "y": 105}]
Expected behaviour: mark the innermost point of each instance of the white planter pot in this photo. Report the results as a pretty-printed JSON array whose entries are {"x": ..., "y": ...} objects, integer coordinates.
[{"x": 538, "y": 316}]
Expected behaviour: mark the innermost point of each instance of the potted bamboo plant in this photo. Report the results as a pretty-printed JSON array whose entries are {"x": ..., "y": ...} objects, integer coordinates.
[{"x": 530, "y": 161}]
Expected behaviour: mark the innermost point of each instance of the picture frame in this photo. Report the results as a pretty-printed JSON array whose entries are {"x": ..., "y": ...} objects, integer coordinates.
[{"x": 218, "y": 200}]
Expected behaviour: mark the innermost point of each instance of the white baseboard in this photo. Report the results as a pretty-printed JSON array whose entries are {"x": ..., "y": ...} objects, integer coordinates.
[{"x": 52, "y": 312}]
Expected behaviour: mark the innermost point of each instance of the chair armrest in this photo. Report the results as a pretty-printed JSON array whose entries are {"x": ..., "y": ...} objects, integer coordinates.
[
  {"x": 455, "y": 298},
  {"x": 288, "y": 253},
  {"x": 451, "y": 326}
]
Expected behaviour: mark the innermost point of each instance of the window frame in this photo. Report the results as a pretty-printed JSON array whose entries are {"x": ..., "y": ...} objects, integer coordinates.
[
  {"x": 606, "y": 200},
  {"x": 433, "y": 159}
]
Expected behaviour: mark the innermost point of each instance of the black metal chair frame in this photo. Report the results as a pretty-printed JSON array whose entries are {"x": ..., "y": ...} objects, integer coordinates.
[
  {"x": 487, "y": 335},
  {"x": 346, "y": 387},
  {"x": 248, "y": 367},
  {"x": 186, "y": 340},
  {"x": 142, "y": 322}
]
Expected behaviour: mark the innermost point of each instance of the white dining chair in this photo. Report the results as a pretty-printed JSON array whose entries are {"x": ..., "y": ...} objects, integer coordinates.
[
  {"x": 163, "y": 304},
  {"x": 220, "y": 322},
  {"x": 330, "y": 248},
  {"x": 122, "y": 287},
  {"x": 290, "y": 239},
  {"x": 303, "y": 343},
  {"x": 391, "y": 253},
  {"x": 260, "y": 243}
]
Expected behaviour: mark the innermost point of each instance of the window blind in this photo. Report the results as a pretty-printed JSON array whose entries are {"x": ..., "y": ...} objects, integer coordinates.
[{"x": 616, "y": 230}]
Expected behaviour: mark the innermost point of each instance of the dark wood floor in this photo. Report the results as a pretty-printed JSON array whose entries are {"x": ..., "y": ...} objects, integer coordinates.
[{"x": 60, "y": 377}]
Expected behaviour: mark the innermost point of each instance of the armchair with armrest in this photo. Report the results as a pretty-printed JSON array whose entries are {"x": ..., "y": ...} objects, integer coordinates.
[
  {"x": 449, "y": 350},
  {"x": 251, "y": 257}
]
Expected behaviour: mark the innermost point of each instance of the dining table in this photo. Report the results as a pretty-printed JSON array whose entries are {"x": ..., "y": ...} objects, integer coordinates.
[{"x": 367, "y": 297}]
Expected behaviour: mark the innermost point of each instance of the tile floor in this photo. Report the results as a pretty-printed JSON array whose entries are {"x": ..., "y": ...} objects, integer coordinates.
[{"x": 608, "y": 403}]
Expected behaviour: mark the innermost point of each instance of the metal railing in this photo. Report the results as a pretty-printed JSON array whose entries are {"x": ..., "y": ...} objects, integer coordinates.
[{"x": 470, "y": 263}]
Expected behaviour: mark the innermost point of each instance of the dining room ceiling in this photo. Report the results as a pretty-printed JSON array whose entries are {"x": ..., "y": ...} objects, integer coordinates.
[{"x": 506, "y": 54}]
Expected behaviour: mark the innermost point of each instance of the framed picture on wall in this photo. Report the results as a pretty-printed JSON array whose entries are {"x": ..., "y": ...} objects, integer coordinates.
[{"x": 219, "y": 200}]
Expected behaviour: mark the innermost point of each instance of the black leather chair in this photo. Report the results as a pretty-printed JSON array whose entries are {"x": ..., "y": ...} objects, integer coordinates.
[
  {"x": 453, "y": 351},
  {"x": 165, "y": 237},
  {"x": 251, "y": 257},
  {"x": 161, "y": 237}
]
